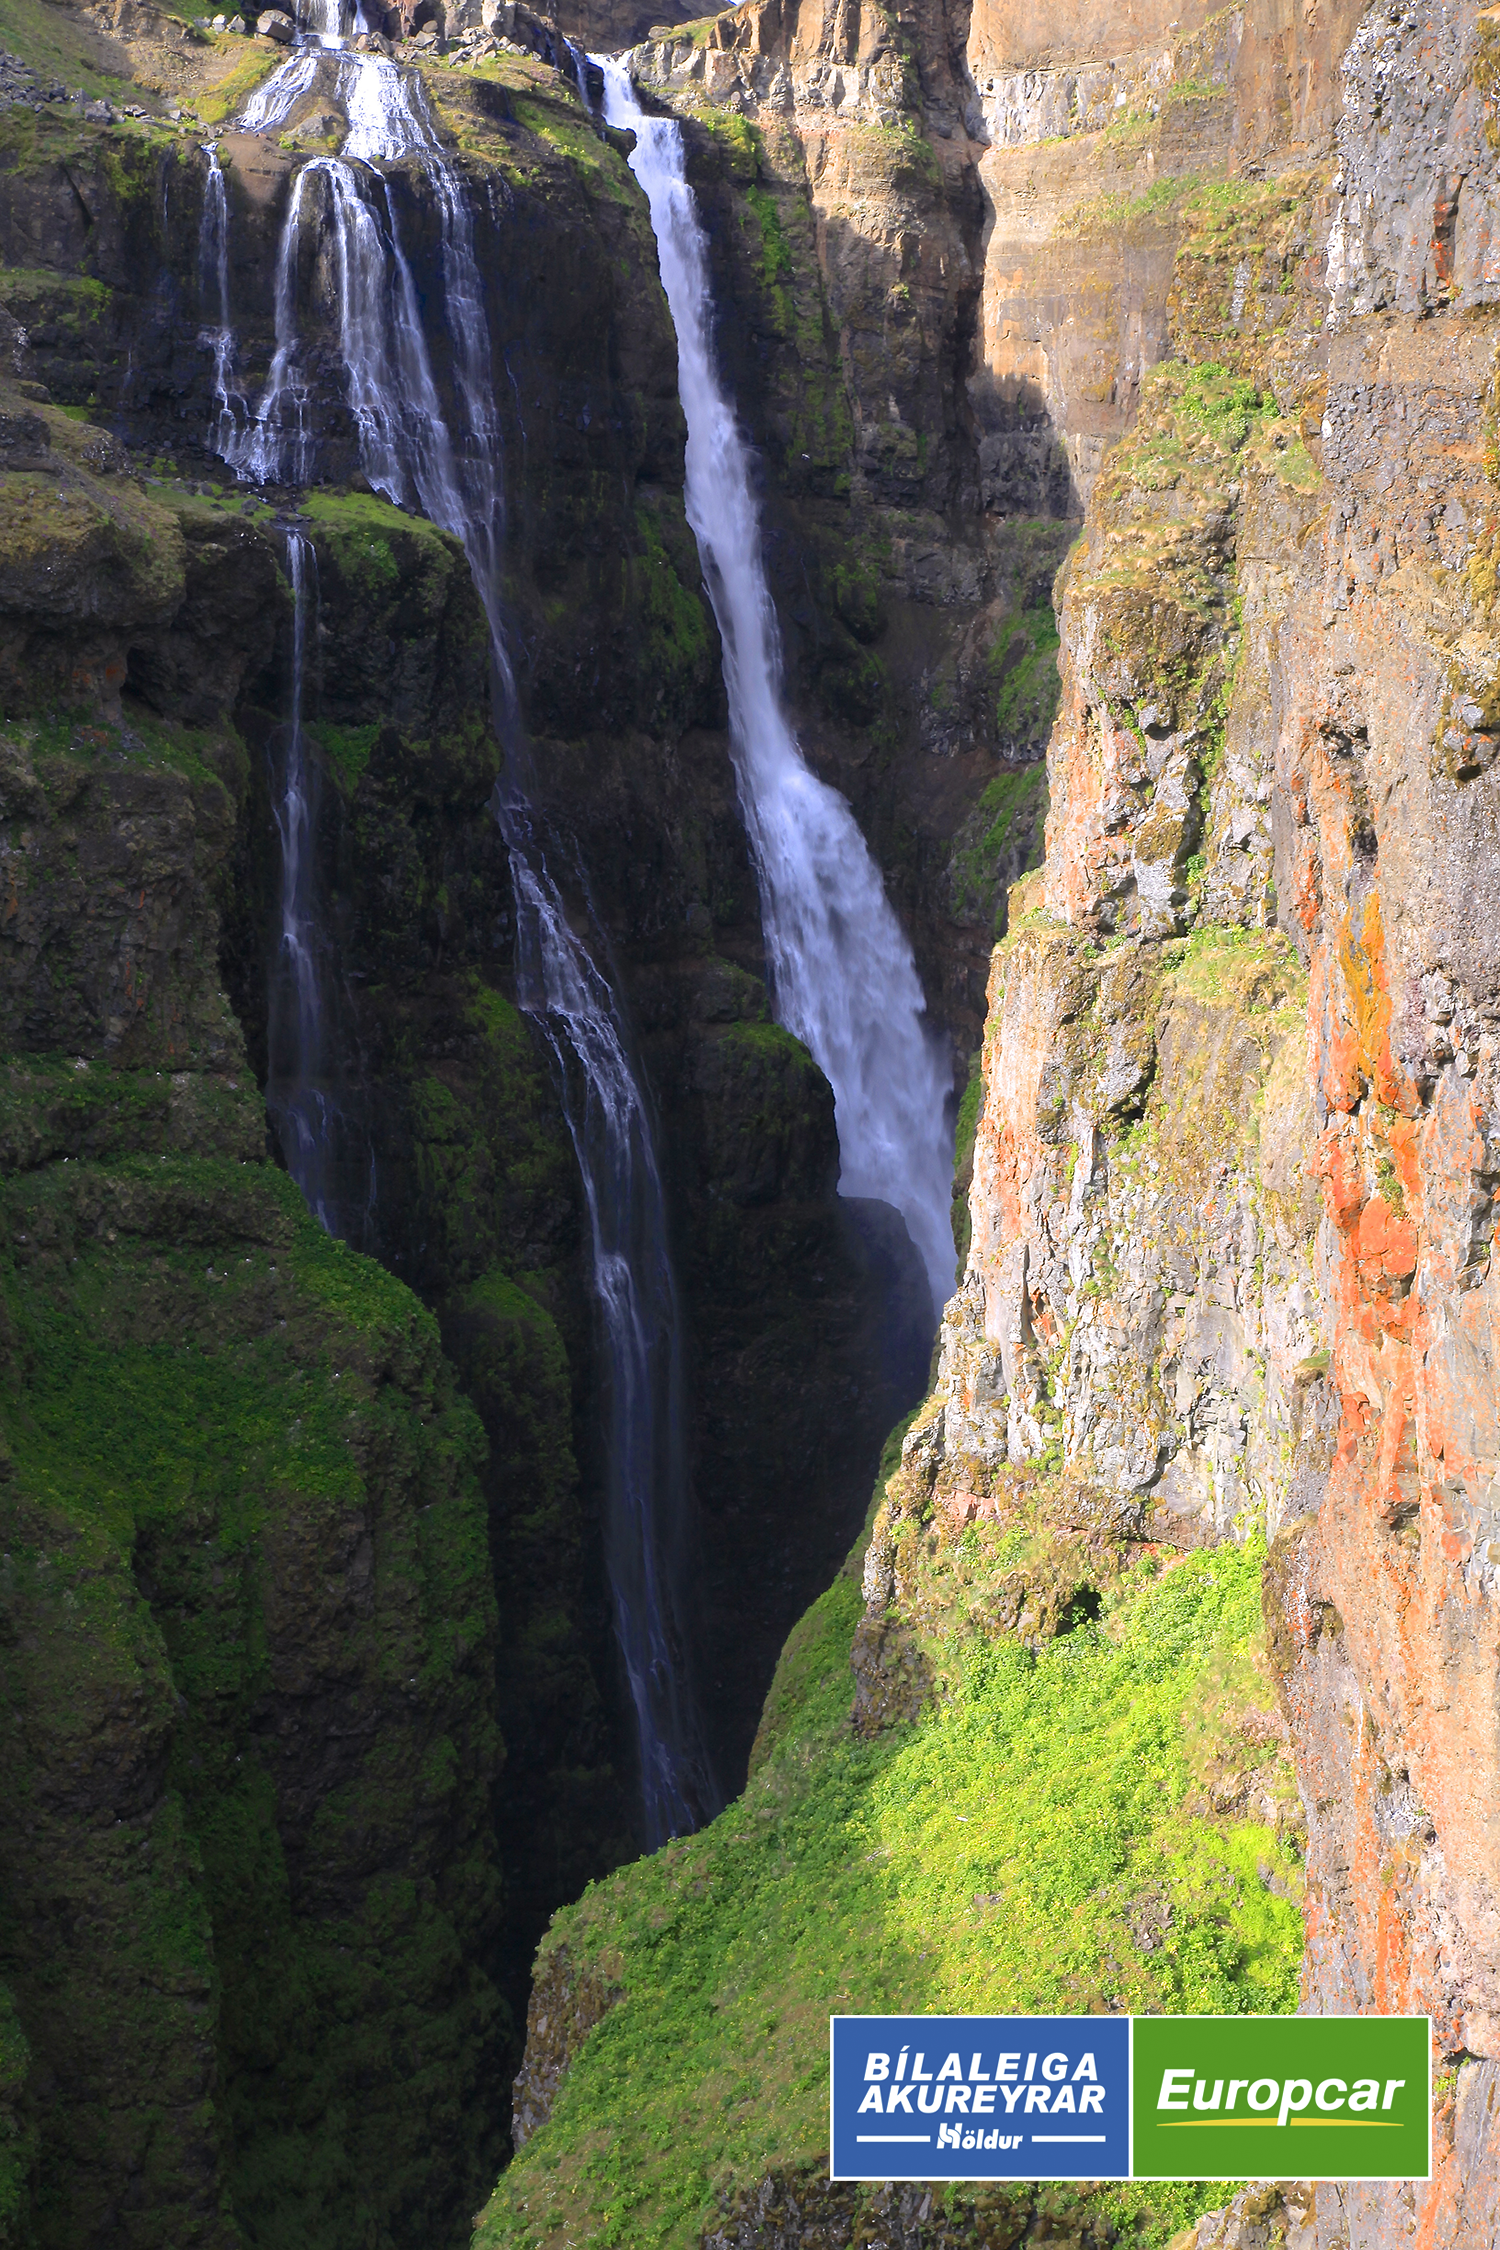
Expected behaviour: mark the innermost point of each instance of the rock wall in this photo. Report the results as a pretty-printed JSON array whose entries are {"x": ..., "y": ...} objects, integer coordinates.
[
  {"x": 1272, "y": 764},
  {"x": 250, "y": 1878},
  {"x": 302, "y": 1730}
]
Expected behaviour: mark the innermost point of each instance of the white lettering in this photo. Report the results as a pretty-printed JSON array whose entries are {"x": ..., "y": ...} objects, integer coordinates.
[
  {"x": 901, "y": 2064},
  {"x": 871, "y": 2101},
  {"x": 1295, "y": 2095},
  {"x": 1262, "y": 2094},
  {"x": 918, "y": 2072},
  {"x": 1055, "y": 2067},
  {"x": 952, "y": 2068},
  {"x": 1086, "y": 2067},
  {"x": 1031, "y": 2066},
  {"x": 976, "y": 2074},
  {"x": 1063, "y": 2099},
  {"x": 1323, "y": 2089},
  {"x": 899, "y": 2098},
  {"x": 929, "y": 2108},
  {"x": 984, "y": 2103},
  {"x": 958, "y": 2098},
  {"x": 1012, "y": 2096},
  {"x": 1036, "y": 2098},
  {"x": 877, "y": 2066},
  {"x": 1392, "y": 2087},
  {"x": 948, "y": 2136},
  {"x": 968, "y": 2140},
  {"x": 1006, "y": 2065},
  {"x": 1199, "y": 2091},
  {"x": 1366, "y": 2093},
  {"x": 1236, "y": 2088},
  {"x": 1092, "y": 2097},
  {"x": 1173, "y": 2095}
]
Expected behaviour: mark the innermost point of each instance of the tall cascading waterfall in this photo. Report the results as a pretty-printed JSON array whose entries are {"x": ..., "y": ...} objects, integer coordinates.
[
  {"x": 408, "y": 451},
  {"x": 842, "y": 973}
]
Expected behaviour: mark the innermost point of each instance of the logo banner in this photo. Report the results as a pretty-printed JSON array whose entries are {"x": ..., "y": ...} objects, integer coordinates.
[
  {"x": 1281, "y": 2098},
  {"x": 980, "y": 2098},
  {"x": 1118, "y": 2097}
]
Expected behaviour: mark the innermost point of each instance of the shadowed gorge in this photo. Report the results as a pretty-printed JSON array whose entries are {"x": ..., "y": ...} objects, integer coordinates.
[{"x": 680, "y": 699}]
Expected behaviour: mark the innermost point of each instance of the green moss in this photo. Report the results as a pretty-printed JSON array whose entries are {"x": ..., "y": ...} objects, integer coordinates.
[
  {"x": 1485, "y": 70},
  {"x": 967, "y": 1126},
  {"x": 1023, "y": 666},
  {"x": 361, "y": 526},
  {"x": 1001, "y": 839},
  {"x": 217, "y": 1404},
  {"x": 988, "y": 1858},
  {"x": 776, "y": 257},
  {"x": 669, "y": 616},
  {"x": 1121, "y": 213},
  {"x": 347, "y": 749},
  {"x": 560, "y": 122}
]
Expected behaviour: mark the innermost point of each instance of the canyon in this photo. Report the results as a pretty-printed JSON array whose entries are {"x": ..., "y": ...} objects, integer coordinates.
[{"x": 607, "y": 622}]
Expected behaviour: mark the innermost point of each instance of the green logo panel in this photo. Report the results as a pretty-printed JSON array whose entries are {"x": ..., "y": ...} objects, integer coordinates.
[{"x": 1280, "y": 2097}]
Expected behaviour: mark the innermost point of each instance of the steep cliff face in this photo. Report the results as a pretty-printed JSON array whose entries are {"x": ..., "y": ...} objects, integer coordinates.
[
  {"x": 249, "y": 1874},
  {"x": 1278, "y": 655},
  {"x": 328, "y": 1920}
]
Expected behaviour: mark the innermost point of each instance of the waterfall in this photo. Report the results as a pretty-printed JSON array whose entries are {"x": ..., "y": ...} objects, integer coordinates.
[
  {"x": 409, "y": 452},
  {"x": 842, "y": 974},
  {"x": 213, "y": 277},
  {"x": 294, "y": 1012}
]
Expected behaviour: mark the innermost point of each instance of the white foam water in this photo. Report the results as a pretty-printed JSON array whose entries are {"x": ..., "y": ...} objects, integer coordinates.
[
  {"x": 842, "y": 973},
  {"x": 409, "y": 451}
]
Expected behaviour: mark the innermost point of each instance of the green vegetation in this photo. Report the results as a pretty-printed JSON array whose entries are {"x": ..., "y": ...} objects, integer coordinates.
[
  {"x": 1221, "y": 964},
  {"x": 219, "y": 1404},
  {"x": 141, "y": 739},
  {"x": 61, "y": 43},
  {"x": 1002, "y": 1854},
  {"x": 234, "y": 89},
  {"x": 347, "y": 749},
  {"x": 1000, "y": 841},
  {"x": 1122, "y": 213},
  {"x": 1023, "y": 666},
  {"x": 670, "y": 624}
]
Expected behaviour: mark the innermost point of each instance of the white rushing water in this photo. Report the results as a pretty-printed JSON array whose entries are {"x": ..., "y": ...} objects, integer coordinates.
[
  {"x": 410, "y": 451},
  {"x": 842, "y": 974},
  {"x": 213, "y": 283}
]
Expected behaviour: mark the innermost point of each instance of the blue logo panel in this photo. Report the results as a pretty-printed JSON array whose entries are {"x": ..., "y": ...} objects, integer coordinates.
[{"x": 979, "y": 2098}]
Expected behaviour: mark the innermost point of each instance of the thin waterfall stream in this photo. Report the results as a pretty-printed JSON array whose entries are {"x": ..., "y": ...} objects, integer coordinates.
[
  {"x": 296, "y": 1095},
  {"x": 409, "y": 452},
  {"x": 842, "y": 973}
]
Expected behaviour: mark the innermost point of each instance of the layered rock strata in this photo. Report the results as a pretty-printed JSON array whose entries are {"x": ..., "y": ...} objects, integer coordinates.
[{"x": 1278, "y": 658}]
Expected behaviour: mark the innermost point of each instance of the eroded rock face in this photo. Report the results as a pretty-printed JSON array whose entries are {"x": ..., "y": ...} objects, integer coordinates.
[
  {"x": 142, "y": 923},
  {"x": 1278, "y": 678}
]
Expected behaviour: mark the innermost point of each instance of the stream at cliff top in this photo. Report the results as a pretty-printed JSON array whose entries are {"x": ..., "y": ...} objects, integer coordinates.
[
  {"x": 842, "y": 973},
  {"x": 408, "y": 452}
]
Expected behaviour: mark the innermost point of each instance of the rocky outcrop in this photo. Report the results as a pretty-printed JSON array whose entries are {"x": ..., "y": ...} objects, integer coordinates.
[
  {"x": 295, "y": 1741},
  {"x": 1273, "y": 740},
  {"x": 248, "y": 1653}
]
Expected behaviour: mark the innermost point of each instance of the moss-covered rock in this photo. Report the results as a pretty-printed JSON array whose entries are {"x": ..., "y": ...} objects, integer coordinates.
[{"x": 249, "y": 1900}]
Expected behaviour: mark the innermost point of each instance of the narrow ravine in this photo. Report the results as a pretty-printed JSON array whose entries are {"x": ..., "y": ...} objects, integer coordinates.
[{"x": 841, "y": 969}]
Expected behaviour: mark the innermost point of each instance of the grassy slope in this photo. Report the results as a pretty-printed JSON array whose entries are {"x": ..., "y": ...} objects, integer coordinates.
[{"x": 998, "y": 1857}]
